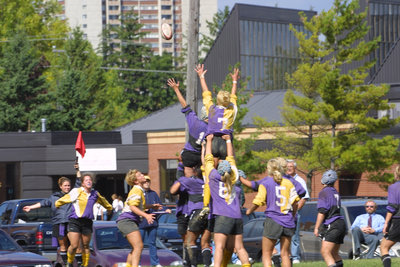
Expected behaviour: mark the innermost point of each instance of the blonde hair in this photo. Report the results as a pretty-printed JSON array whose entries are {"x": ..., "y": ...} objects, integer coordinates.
[
  {"x": 283, "y": 164},
  {"x": 223, "y": 98},
  {"x": 274, "y": 170},
  {"x": 62, "y": 180},
  {"x": 130, "y": 177},
  {"x": 397, "y": 173},
  {"x": 226, "y": 178}
]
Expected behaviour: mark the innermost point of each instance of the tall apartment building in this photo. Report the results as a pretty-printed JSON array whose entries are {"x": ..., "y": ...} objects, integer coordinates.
[{"x": 93, "y": 15}]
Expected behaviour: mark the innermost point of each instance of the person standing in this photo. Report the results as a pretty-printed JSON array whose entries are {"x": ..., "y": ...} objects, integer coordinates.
[
  {"x": 117, "y": 204},
  {"x": 295, "y": 243},
  {"x": 81, "y": 217},
  {"x": 330, "y": 225},
  {"x": 280, "y": 197},
  {"x": 148, "y": 231},
  {"x": 60, "y": 216},
  {"x": 391, "y": 228},
  {"x": 367, "y": 228},
  {"x": 128, "y": 221}
]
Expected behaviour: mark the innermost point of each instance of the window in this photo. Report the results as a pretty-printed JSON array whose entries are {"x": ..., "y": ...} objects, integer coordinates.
[
  {"x": 113, "y": 7},
  {"x": 84, "y": 26},
  {"x": 84, "y": 16},
  {"x": 113, "y": 17},
  {"x": 308, "y": 215},
  {"x": 166, "y": 7},
  {"x": 167, "y": 45},
  {"x": 392, "y": 113},
  {"x": 166, "y": 16}
]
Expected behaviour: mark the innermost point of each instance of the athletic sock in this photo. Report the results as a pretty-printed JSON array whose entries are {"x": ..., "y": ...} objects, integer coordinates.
[
  {"x": 70, "y": 257},
  {"x": 206, "y": 253},
  {"x": 339, "y": 263},
  {"x": 246, "y": 265},
  {"x": 85, "y": 259},
  {"x": 226, "y": 257},
  {"x": 387, "y": 262},
  {"x": 78, "y": 257},
  {"x": 64, "y": 258}
]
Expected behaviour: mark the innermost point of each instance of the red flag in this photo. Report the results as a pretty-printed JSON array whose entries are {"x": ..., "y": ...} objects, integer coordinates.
[{"x": 80, "y": 145}]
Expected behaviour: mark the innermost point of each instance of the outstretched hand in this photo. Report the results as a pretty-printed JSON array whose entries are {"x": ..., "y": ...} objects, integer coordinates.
[
  {"x": 226, "y": 137},
  {"x": 235, "y": 74},
  {"x": 171, "y": 83},
  {"x": 200, "y": 70}
]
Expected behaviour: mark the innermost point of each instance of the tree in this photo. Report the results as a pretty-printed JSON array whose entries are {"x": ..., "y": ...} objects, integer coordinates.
[
  {"x": 327, "y": 110},
  {"x": 23, "y": 90},
  {"x": 146, "y": 89},
  {"x": 79, "y": 80},
  {"x": 214, "y": 27}
]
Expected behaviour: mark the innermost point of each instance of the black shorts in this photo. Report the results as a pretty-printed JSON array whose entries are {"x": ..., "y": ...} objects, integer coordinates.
[
  {"x": 334, "y": 232},
  {"x": 274, "y": 231},
  {"x": 197, "y": 225},
  {"x": 228, "y": 226},
  {"x": 219, "y": 147},
  {"x": 60, "y": 230},
  {"x": 81, "y": 225},
  {"x": 183, "y": 221},
  {"x": 393, "y": 233},
  {"x": 190, "y": 158},
  {"x": 211, "y": 224}
]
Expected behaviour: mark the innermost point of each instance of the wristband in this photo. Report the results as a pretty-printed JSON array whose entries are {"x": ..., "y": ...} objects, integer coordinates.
[
  {"x": 228, "y": 141},
  {"x": 202, "y": 76},
  {"x": 234, "y": 82}
]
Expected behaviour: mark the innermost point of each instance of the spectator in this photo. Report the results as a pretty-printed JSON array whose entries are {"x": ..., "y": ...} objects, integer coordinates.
[{"x": 118, "y": 205}]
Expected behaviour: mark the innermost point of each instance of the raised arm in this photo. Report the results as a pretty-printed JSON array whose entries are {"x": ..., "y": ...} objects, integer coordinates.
[
  {"x": 201, "y": 72},
  {"x": 229, "y": 147},
  {"x": 31, "y": 207},
  {"x": 235, "y": 77},
  {"x": 175, "y": 85}
]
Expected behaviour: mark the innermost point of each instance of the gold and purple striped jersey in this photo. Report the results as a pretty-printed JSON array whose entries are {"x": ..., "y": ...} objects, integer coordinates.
[
  {"x": 135, "y": 198},
  {"x": 279, "y": 199},
  {"x": 220, "y": 119},
  {"x": 83, "y": 202}
]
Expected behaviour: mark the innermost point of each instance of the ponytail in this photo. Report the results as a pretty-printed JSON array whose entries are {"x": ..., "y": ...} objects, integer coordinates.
[{"x": 226, "y": 178}]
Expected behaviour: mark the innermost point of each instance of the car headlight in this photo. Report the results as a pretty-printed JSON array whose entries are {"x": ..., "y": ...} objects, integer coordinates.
[
  {"x": 119, "y": 264},
  {"x": 176, "y": 263}
]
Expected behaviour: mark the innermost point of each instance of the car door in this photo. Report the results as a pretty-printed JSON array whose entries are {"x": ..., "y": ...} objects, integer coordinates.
[{"x": 310, "y": 244}]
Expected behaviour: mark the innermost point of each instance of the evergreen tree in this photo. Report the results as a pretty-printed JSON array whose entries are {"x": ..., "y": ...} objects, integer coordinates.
[
  {"x": 23, "y": 87},
  {"x": 327, "y": 110},
  {"x": 79, "y": 80}
]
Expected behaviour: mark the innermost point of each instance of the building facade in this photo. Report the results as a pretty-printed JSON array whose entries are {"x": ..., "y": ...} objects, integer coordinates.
[{"x": 93, "y": 15}]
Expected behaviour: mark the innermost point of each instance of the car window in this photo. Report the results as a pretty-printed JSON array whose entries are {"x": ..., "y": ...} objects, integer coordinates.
[
  {"x": 6, "y": 243},
  {"x": 167, "y": 218},
  {"x": 308, "y": 215},
  {"x": 4, "y": 216},
  {"x": 110, "y": 238},
  {"x": 43, "y": 214},
  {"x": 354, "y": 211},
  {"x": 253, "y": 228}
]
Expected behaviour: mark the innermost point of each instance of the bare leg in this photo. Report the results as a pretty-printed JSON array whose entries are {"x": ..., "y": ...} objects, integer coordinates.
[
  {"x": 240, "y": 250},
  {"x": 327, "y": 249},
  {"x": 285, "y": 251},
  {"x": 267, "y": 248},
  {"x": 135, "y": 239},
  {"x": 220, "y": 242}
]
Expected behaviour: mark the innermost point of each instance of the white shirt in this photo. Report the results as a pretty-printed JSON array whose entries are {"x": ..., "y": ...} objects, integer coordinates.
[
  {"x": 98, "y": 210},
  {"x": 118, "y": 205},
  {"x": 303, "y": 184}
]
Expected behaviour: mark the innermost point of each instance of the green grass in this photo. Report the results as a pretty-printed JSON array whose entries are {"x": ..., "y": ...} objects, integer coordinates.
[{"x": 350, "y": 263}]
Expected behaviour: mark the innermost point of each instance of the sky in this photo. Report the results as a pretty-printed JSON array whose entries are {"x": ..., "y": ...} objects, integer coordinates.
[{"x": 317, "y": 5}]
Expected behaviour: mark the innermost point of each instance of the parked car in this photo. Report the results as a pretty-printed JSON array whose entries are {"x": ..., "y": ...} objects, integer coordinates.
[
  {"x": 108, "y": 248},
  {"x": 310, "y": 244},
  {"x": 31, "y": 230},
  {"x": 12, "y": 254}
]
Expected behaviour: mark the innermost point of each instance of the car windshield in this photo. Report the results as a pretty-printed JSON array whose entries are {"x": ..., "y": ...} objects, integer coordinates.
[
  {"x": 354, "y": 211},
  {"x": 6, "y": 243},
  {"x": 110, "y": 238}
]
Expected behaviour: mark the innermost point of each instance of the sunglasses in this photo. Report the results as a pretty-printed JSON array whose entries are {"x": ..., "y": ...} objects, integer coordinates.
[{"x": 367, "y": 206}]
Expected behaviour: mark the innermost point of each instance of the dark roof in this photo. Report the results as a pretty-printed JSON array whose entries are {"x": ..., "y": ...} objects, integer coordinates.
[{"x": 263, "y": 104}]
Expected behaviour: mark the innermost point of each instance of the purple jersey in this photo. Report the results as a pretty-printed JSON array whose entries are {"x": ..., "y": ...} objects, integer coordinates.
[
  {"x": 197, "y": 130},
  {"x": 194, "y": 188},
  {"x": 220, "y": 119},
  {"x": 182, "y": 202},
  {"x": 219, "y": 205},
  {"x": 394, "y": 200},
  {"x": 279, "y": 198},
  {"x": 329, "y": 204},
  {"x": 299, "y": 188}
]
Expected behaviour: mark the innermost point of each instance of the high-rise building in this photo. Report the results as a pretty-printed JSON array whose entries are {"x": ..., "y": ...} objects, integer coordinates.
[{"x": 93, "y": 15}]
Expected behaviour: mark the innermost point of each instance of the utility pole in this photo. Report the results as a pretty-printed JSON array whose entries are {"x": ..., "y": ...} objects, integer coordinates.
[{"x": 193, "y": 55}]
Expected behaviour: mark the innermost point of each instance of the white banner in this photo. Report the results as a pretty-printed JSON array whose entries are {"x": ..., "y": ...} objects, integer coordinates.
[{"x": 98, "y": 159}]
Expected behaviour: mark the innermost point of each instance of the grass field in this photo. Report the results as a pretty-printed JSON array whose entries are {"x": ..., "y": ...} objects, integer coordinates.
[{"x": 350, "y": 263}]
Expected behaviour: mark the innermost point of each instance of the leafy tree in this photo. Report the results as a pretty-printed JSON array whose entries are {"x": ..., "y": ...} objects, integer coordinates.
[
  {"x": 79, "y": 80},
  {"x": 23, "y": 90},
  {"x": 327, "y": 110},
  {"x": 146, "y": 86},
  {"x": 214, "y": 27}
]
